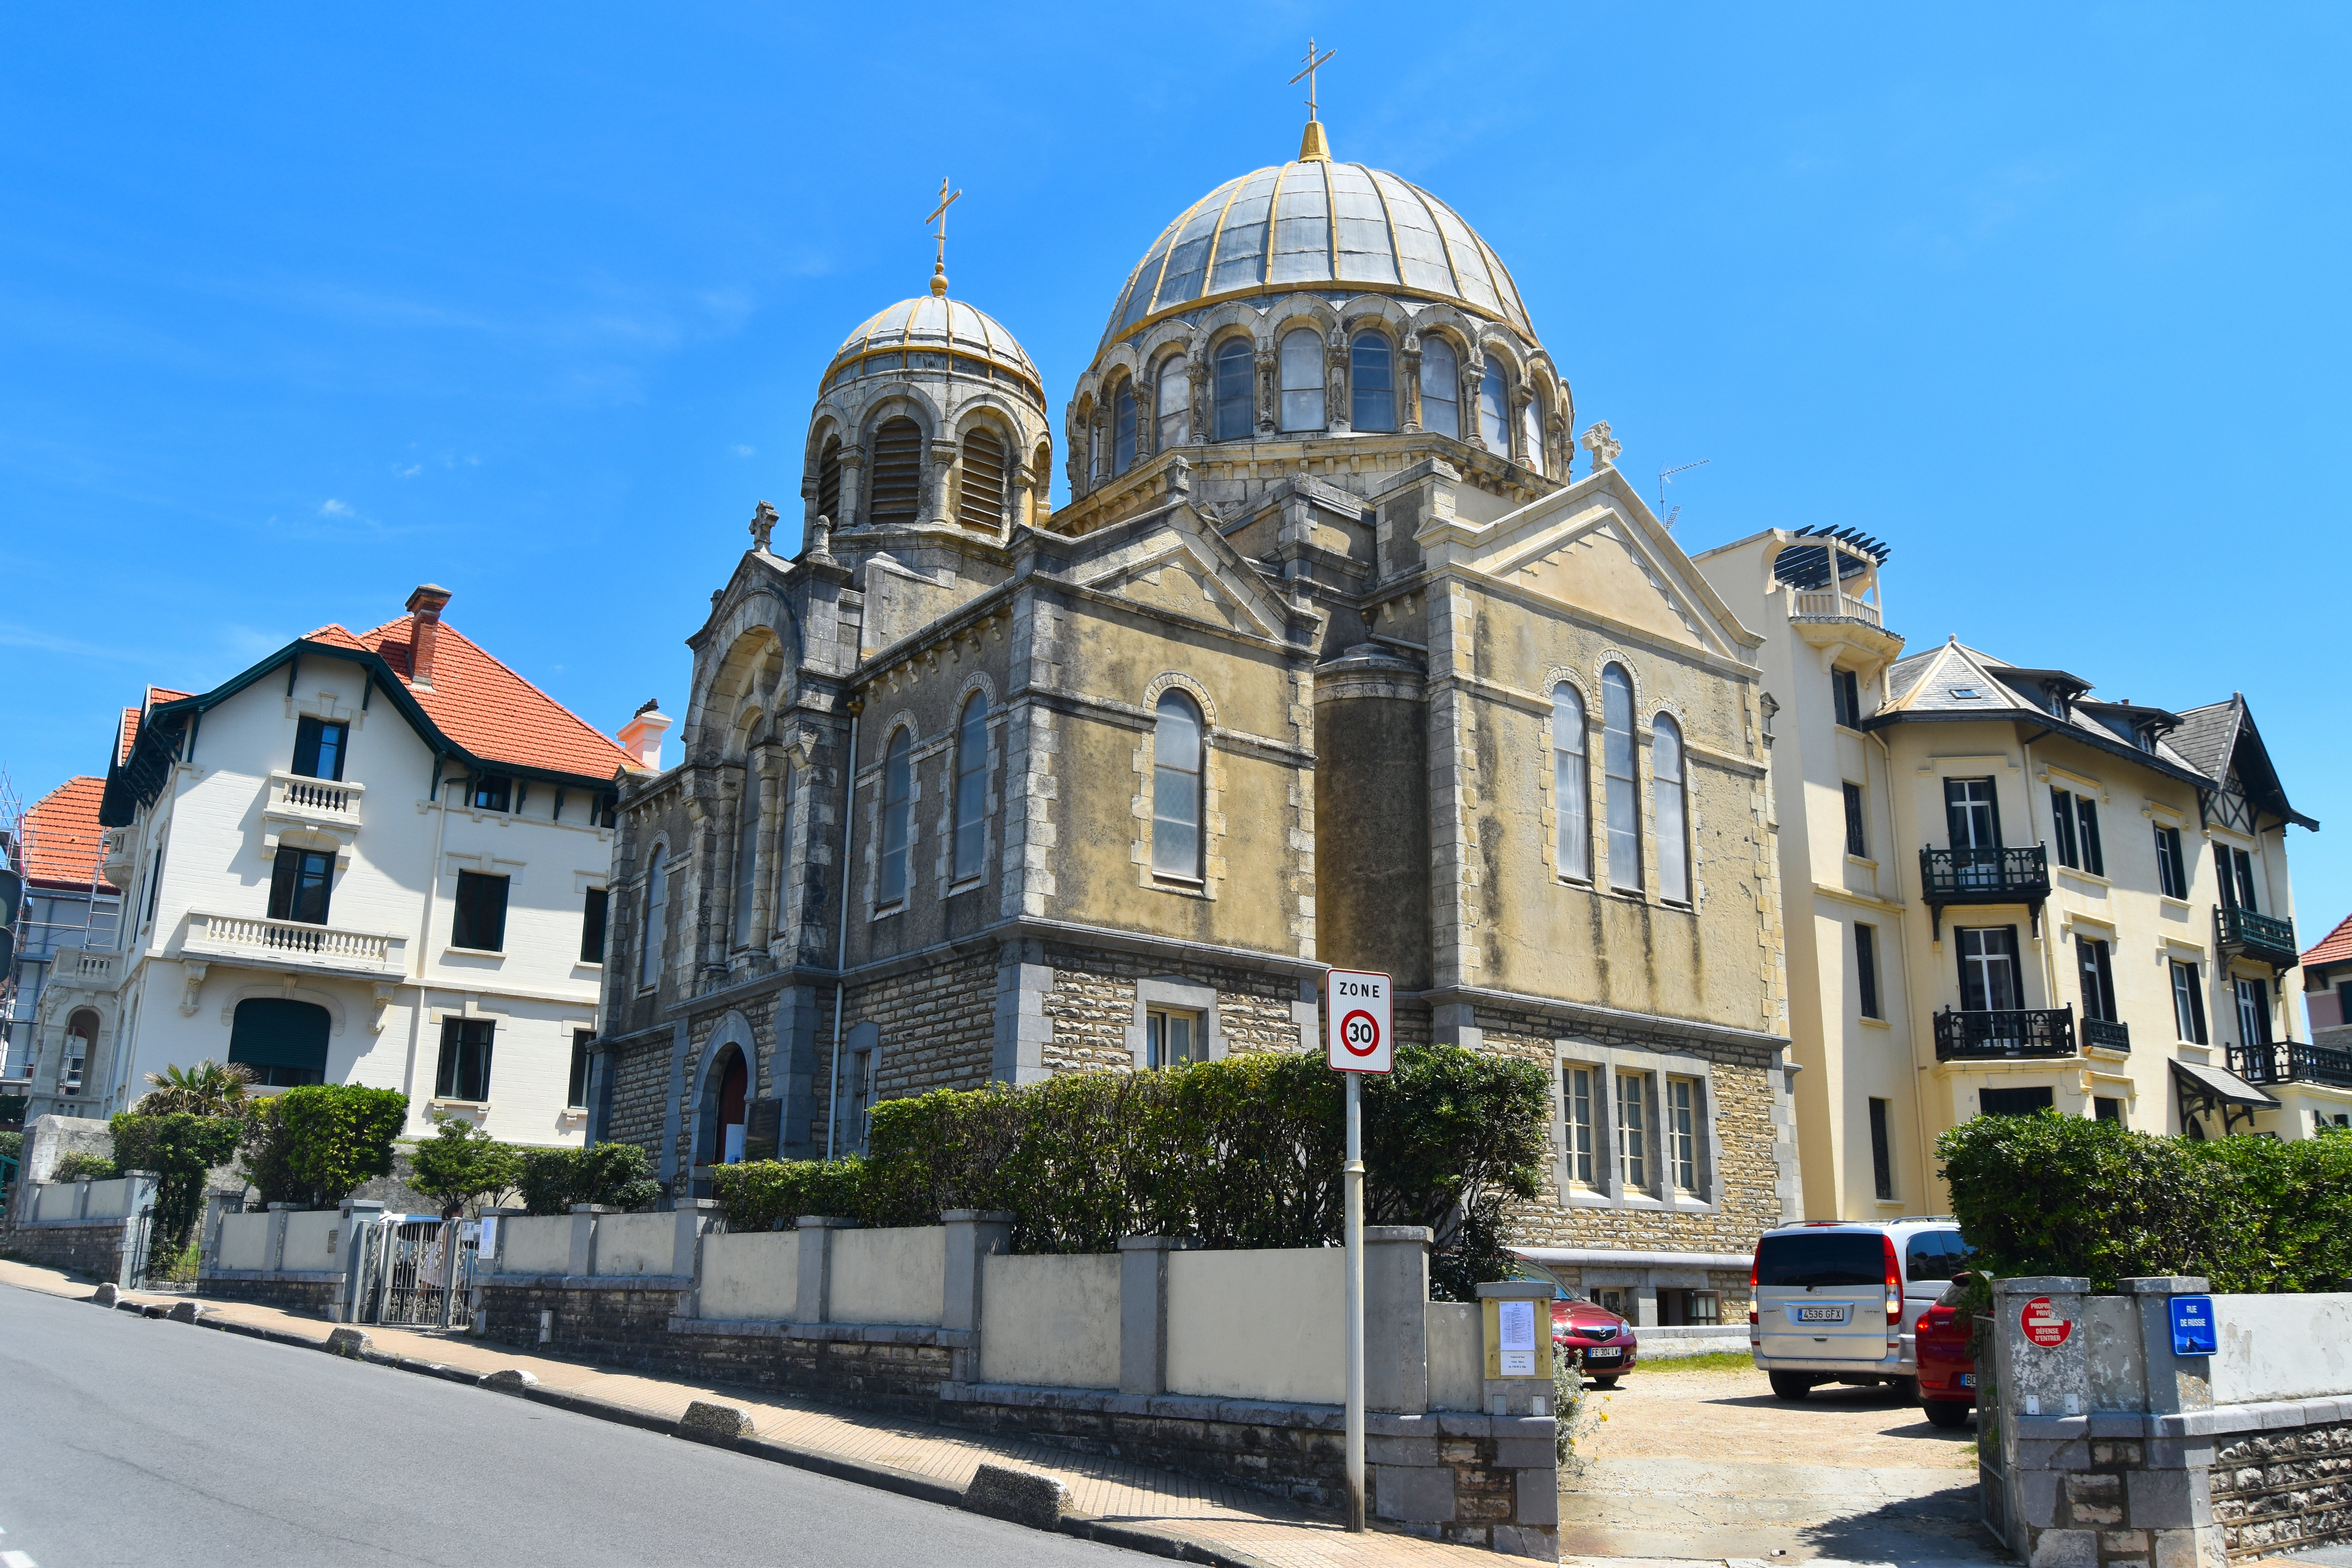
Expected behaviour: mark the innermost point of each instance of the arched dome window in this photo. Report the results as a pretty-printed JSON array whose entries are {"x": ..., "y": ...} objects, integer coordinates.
[
  {"x": 1440, "y": 388},
  {"x": 1571, "y": 784},
  {"x": 897, "y": 814},
  {"x": 1494, "y": 410},
  {"x": 898, "y": 472},
  {"x": 1175, "y": 405},
  {"x": 1624, "y": 802},
  {"x": 1236, "y": 364},
  {"x": 1670, "y": 810},
  {"x": 747, "y": 856},
  {"x": 1531, "y": 422},
  {"x": 980, "y": 500},
  {"x": 1302, "y": 380},
  {"x": 828, "y": 481},
  {"x": 1372, "y": 386},
  {"x": 971, "y": 787},
  {"x": 1176, "y": 788},
  {"x": 1122, "y": 429}
]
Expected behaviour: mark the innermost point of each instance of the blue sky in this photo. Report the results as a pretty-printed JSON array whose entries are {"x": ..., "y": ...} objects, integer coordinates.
[{"x": 300, "y": 308}]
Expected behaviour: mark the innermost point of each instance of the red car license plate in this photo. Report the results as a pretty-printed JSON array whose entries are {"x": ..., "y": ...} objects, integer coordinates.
[{"x": 1968, "y": 1380}]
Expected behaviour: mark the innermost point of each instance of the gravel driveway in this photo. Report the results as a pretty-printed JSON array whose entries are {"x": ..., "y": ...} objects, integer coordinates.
[{"x": 1708, "y": 1465}]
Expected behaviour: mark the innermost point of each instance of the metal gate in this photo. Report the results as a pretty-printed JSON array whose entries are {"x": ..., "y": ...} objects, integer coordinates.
[{"x": 419, "y": 1272}]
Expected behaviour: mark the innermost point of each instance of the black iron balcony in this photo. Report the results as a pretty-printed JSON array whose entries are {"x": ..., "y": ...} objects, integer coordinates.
[
  {"x": 2019, "y": 876},
  {"x": 2006, "y": 1034},
  {"x": 2291, "y": 1062},
  {"x": 2106, "y": 1034},
  {"x": 2265, "y": 939}
]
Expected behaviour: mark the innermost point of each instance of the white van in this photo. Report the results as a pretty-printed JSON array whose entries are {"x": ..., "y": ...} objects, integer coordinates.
[{"x": 1837, "y": 1301}]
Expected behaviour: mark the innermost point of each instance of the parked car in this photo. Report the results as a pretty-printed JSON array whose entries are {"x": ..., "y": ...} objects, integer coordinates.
[
  {"x": 1602, "y": 1341},
  {"x": 1947, "y": 1368},
  {"x": 1838, "y": 1301}
]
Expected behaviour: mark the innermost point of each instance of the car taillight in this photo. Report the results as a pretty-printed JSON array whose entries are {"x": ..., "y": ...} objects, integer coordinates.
[
  {"x": 1894, "y": 1281},
  {"x": 1754, "y": 1265}
]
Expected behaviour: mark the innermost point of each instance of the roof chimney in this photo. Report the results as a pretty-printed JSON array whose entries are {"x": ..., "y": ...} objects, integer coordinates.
[
  {"x": 424, "y": 632},
  {"x": 641, "y": 736}
]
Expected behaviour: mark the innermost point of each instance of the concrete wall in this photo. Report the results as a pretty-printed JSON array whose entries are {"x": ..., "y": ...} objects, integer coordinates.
[
  {"x": 889, "y": 1276},
  {"x": 1258, "y": 1325},
  {"x": 55, "y": 1201},
  {"x": 111, "y": 1200},
  {"x": 535, "y": 1245},
  {"x": 243, "y": 1241},
  {"x": 752, "y": 1277},
  {"x": 636, "y": 1242},
  {"x": 2282, "y": 1347},
  {"x": 1050, "y": 1321},
  {"x": 310, "y": 1241},
  {"x": 1457, "y": 1356}
]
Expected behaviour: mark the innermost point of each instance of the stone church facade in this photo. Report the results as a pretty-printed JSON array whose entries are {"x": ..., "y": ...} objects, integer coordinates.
[{"x": 1330, "y": 660}]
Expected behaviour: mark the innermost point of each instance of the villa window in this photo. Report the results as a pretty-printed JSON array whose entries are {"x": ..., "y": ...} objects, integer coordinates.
[
  {"x": 897, "y": 814},
  {"x": 1302, "y": 380},
  {"x": 1174, "y": 1037},
  {"x": 1579, "y": 1087},
  {"x": 318, "y": 745},
  {"x": 1371, "y": 384},
  {"x": 1237, "y": 370},
  {"x": 972, "y": 788},
  {"x": 1175, "y": 424},
  {"x": 2098, "y": 980},
  {"x": 576, "y": 1093},
  {"x": 1681, "y": 1129},
  {"x": 1865, "y": 970},
  {"x": 464, "y": 1068},
  {"x": 1632, "y": 1133},
  {"x": 1571, "y": 785},
  {"x": 2075, "y": 818},
  {"x": 1176, "y": 777},
  {"x": 1623, "y": 802},
  {"x": 1881, "y": 1153},
  {"x": 592, "y": 926},
  {"x": 2188, "y": 1002},
  {"x": 493, "y": 792},
  {"x": 1857, "y": 821},
  {"x": 1670, "y": 810},
  {"x": 478, "y": 914},
  {"x": 2254, "y": 1011},
  {"x": 2171, "y": 870},
  {"x": 1845, "y": 698},
  {"x": 1440, "y": 388},
  {"x": 1494, "y": 410},
  {"x": 1987, "y": 969},
  {"x": 300, "y": 884}
]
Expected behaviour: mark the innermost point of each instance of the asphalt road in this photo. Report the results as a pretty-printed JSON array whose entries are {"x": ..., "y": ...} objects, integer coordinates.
[{"x": 147, "y": 1443}]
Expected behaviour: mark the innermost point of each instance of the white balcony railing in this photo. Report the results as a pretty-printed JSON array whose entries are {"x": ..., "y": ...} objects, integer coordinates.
[
  {"x": 79, "y": 965},
  {"x": 294, "y": 943},
  {"x": 1827, "y": 603},
  {"x": 294, "y": 795}
]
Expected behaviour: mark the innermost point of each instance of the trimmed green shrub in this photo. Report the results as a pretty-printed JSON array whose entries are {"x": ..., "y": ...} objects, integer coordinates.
[
  {"x": 75, "y": 1164},
  {"x": 2063, "y": 1195},
  {"x": 180, "y": 1148},
  {"x": 1241, "y": 1153},
  {"x": 461, "y": 1162},
  {"x": 617, "y": 1176},
  {"x": 315, "y": 1145}
]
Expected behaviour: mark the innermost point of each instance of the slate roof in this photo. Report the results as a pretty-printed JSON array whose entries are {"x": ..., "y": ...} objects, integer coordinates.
[{"x": 62, "y": 847}]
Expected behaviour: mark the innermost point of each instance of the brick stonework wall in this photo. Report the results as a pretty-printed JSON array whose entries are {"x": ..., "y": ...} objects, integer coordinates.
[
  {"x": 314, "y": 1298},
  {"x": 1092, "y": 1005},
  {"x": 640, "y": 1089},
  {"x": 937, "y": 1025},
  {"x": 2283, "y": 1491},
  {"x": 92, "y": 1250}
]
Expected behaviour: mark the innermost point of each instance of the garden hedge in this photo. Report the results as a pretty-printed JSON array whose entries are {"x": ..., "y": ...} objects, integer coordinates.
[
  {"x": 2063, "y": 1195},
  {"x": 1241, "y": 1153}
]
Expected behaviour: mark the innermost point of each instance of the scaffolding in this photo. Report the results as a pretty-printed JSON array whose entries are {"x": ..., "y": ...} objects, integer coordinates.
[{"x": 46, "y": 923}]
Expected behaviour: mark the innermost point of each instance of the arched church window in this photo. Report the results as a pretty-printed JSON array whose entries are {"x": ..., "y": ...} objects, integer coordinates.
[
  {"x": 1372, "y": 387},
  {"x": 1236, "y": 364},
  {"x": 1122, "y": 429},
  {"x": 898, "y": 813},
  {"x": 1571, "y": 784},
  {"x": 828, "y": 482},
  {"x": 656, "y": 922},
  {"x": 898, "y": 472},
  {"x": 1176, "y": 788},
  {"x": 747, "y": 854},
  {"x": 1531, "y": 429},
  {"x": 1175, "y": 404},
  {"x": 1624, "y": 802},
  {"x": 1670, "y": 810},
  {"x": 1440, "y": 388},
  {"x": 970, "y": 787},
  {"x": 979, "y": 501},
  {"x": 1302, "y": 380},
  {"x": 1494, "y": 407}
]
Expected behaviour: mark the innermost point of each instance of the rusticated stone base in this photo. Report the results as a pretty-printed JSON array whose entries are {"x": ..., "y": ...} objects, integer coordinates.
[
  {"x": 315, "y": 1295},
  {"x": 2283, "y": 1491},
  {"x": 93, "y": 1250}
]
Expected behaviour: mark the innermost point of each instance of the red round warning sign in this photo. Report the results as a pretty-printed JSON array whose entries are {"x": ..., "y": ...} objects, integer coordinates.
[
  {"x": 1360, "y": 1033},
  {"x": 2042, "y": 1324}
]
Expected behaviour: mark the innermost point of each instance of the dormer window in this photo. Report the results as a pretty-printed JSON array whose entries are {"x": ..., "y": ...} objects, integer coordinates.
[{"x": 493, "y": 792}]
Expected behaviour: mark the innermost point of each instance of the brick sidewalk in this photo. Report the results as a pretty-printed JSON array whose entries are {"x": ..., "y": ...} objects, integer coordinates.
[{"x": 1237, "y": 1524}]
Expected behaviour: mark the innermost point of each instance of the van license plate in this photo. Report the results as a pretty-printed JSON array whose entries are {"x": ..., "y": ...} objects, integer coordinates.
[
  {"x": 1968, "y": 1380},
  {"x": 1820, "y": 1314}
]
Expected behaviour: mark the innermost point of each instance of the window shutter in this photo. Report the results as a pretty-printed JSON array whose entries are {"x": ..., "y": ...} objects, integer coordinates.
[
  {"x": 2228, "y": 881},
  {"x": 898, "y": 472},
  {"x": 2062, "y": 821},
  {"x": 2094, "y": 860}
]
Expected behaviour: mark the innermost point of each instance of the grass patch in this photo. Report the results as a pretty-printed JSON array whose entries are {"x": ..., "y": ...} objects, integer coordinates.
[{"x": 1706, "y": 1361}]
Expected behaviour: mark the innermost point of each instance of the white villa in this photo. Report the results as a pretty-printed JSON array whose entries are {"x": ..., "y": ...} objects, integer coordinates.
[{"x": 375, "y": 859}]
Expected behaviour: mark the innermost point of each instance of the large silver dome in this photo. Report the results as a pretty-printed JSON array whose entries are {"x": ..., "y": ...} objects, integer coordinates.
[{"x": 1311, "y": 223}]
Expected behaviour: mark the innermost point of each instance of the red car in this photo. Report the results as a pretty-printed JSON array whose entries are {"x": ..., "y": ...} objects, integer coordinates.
[
  {"x": 1947, "y": 1371},
  {"x": 1602, "y": 1342}
]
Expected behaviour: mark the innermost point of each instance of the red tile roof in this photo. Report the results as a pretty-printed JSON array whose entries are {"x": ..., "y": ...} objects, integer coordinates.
[
  {"x": 2336, "y": 947},
  {"x": 62, "y": 846},
  {"x": 487, "y": 708}
]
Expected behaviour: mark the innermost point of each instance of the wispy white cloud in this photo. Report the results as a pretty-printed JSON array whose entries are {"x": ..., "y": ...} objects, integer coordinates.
[
  {"x": 330, "y": 506},
  {"x": 407, "y": 471},
  {"x": 741, "y": 451}
]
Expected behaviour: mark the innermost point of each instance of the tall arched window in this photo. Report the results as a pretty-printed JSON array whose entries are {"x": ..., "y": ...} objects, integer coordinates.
[
  {"x": 1440, "y": 388},
  {"x": 979, "y": 499},
  {"x": 1531, "y": 430},
  {"x": 782, "y": 858},
  {"x": 1176, "y": 788},
  {"x": 746, "y": 855},
  {"x": 282, "y": 1042},
  {"x": 1571, "y": 783},
  {"x": 1122, "y": 429},
  {"x": 81, "y": 1045},
  {"x": 1302, "y": 380},
  {"x": 656, "y": 923},
  {"x": 970, "y": 787},
  {"x": 1494, "y": 410},
  {"x": 1236, "y": 365},
  {"x": 897, "y": 469},
  {"x": 1670, "y": 810},
  {"x": 828, "y": 482},
  {"x": 1371, "y": 386},
  {"x": 1624, "y": 801},
  {"x": 1175, "y": 404},
  {"x": 898, "y": 814}
]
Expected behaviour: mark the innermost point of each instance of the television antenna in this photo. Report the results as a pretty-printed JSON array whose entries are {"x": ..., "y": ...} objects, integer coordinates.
[{"x": 1665, "y": 478}]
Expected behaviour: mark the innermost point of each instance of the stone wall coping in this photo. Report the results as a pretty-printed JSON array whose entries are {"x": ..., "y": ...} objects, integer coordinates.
[
  {"x": 1656, "y": 1023},
  {"x": 1515, "y": 1289},
  {"x": 1419, "y": 1233},
  {"x": 840, "y": 1333},
  {"x": 287, "y": 1276},
  {"x": 2164, "y": 1284},
  {"x": 1159, "y": 1244},
  {"x": 1251, "y": 1411},
  {"x": 2223, "y": 1420},
  {"x": 584, "y": 1281},
  {"x": 977, "y": 1216},
  {"x": 2042, "y": 1285},
  {"x": 117, "y": 1223}
]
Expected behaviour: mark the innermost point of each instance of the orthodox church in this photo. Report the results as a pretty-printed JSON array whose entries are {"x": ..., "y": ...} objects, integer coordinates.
[{"x": 1338, "y": 655}]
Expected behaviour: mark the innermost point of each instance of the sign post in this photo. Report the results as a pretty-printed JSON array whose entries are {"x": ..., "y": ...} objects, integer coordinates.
[{"x": 1358, "y": 1038}]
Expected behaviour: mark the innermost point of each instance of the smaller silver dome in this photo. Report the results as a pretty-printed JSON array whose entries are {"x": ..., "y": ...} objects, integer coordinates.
[{"x": 935, "y": 328}]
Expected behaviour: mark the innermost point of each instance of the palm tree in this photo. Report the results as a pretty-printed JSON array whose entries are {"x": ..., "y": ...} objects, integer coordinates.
[{"x": 208, "y": 1089}]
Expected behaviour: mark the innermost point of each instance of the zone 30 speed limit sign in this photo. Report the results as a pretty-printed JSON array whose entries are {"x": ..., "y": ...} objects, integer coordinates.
[{"x": 1356, "y": 1027}]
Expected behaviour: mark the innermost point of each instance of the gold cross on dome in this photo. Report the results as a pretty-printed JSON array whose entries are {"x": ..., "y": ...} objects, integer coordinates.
[
  {"x": 940, "y": 215},
  {"x": 1308, "y": 76}
]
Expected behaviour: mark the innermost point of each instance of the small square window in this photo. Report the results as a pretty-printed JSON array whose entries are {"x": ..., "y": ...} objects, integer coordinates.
[
  {"x": 1172, "y": 1038},
  {"x": 480, "y": 918},
  {"x": 493, "y": 792}
]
